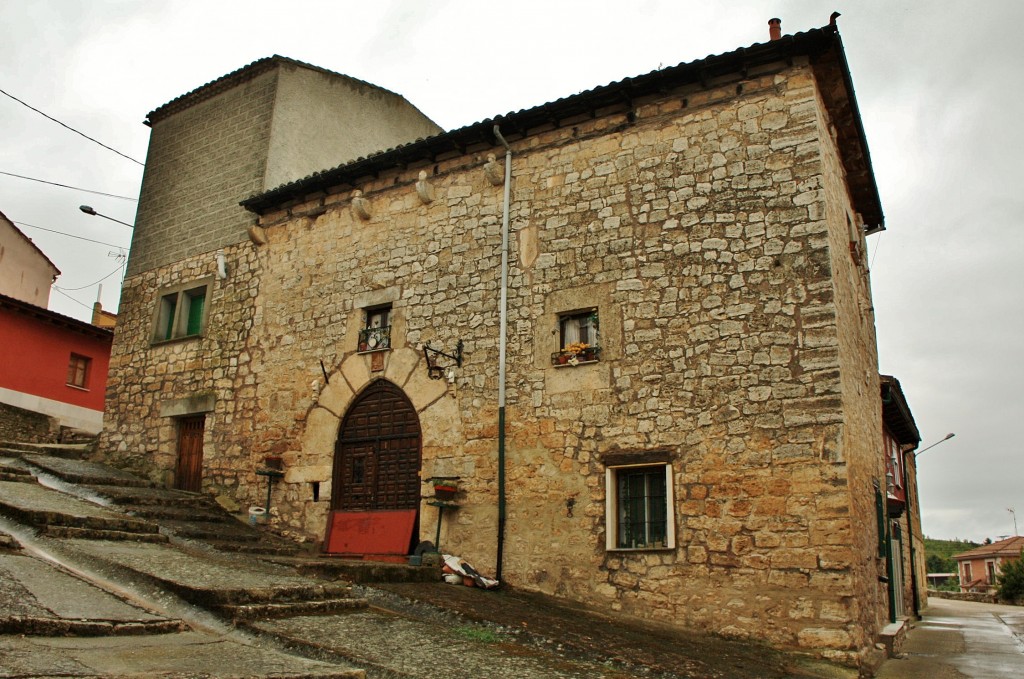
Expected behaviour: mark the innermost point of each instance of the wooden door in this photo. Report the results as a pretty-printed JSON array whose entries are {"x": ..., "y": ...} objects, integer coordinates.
[
  {"x": 375, "y": 493},
  {"x": 188, "y": 474}
]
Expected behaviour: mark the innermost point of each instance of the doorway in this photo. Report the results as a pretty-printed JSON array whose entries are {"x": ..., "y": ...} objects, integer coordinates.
[
  {"x": 188, "y": 473},
  {"x": 375, "y": 489}
]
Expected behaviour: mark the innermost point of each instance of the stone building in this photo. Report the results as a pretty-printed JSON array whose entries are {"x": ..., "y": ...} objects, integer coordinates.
[
  {"x": 666, "y": 404},
  {"x": 902, "y": 535}
]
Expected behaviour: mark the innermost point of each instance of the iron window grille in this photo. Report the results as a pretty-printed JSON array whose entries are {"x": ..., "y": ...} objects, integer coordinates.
[
  {"x": 639, "y": 507},
  {"x": 376, "y": 336}
]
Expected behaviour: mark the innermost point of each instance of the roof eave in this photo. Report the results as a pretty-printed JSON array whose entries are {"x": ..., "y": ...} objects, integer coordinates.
[{"x": 818, "y": 44}]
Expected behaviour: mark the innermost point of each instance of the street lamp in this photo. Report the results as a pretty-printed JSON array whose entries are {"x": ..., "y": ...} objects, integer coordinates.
[
  {"x": 1010, "y": 509},
  {"x": 89, "y": 211},
  {"x": 948, "y": 436}
]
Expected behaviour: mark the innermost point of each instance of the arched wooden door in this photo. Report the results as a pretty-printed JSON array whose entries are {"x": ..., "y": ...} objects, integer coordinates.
[{"x": 375, "y": 489}]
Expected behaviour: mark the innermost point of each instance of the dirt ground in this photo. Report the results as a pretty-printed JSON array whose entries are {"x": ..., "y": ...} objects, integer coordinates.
[{"x": 640, "y": 649}]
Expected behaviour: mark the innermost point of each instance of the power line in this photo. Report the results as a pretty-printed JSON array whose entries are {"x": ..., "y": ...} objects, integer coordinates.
[
  {"x": 90, "y": 284},
  {"x": 65, "y": 186},
  {"x": 71, "y": 128},
  {"x": 69, "y": 235},
  {"x": 81, "y": 304}
]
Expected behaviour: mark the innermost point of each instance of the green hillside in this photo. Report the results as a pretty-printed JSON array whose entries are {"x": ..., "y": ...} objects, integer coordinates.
[{"x": 939, "y": 553}]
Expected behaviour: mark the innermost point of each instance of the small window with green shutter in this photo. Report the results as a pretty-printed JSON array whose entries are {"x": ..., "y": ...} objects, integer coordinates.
[{"x": 181, "y": 312}]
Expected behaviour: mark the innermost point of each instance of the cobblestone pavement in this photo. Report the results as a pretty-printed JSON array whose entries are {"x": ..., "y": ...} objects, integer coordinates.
[{"x": 80, "y": 608}]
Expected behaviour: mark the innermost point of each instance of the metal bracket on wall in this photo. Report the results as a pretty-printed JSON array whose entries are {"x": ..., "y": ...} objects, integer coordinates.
[{"x": 435, "y": 371}]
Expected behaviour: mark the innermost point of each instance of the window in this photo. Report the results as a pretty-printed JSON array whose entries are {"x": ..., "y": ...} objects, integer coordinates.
[
  {"x": 578, "y": 338},
  {"x": 990, "y": 571},
  {"x": 181, "y": 312},
  {"x": 376, "y": 332},
  {"x": 967, "y": 572},
  {"x": 78, "y": 371},
  {"x": 639, "y": 507}
]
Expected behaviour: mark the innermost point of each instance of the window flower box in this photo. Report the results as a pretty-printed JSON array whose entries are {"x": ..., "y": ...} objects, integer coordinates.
[
  {"x": 575, "y": 354},
  {"x": 445, "y": 488}
]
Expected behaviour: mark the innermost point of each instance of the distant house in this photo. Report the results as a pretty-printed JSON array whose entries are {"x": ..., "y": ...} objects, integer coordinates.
[
  {"x": 979, "y": 568},
  {"x": 51, "y": 365},
  {"x": 25, "y": 272}
]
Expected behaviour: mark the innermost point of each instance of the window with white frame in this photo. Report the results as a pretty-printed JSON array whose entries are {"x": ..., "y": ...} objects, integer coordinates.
[
  {"x": 181, "y": 311},
  {"x": 638, "y": 509}
]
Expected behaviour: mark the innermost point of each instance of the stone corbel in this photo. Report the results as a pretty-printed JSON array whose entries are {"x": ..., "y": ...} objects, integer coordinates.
[
  {"x": 494, "y": 172},
  {"x": 258, "y": 235},
  {"x": 424, "y": 189},
  {"x": 360, "y": 205}
]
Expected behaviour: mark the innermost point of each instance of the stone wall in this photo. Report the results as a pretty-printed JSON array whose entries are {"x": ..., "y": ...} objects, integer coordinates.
[
  {"x": 709, "y": 230},
  {"x": 26, "y": 426}
]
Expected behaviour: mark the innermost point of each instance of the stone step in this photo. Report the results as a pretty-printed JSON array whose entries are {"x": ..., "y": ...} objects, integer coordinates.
[
  {"x": 70, "y": 451},
  {"x": 59, "y": 627},
  {"x": 43, "y": 517},
  {"x": 235, "y": 531},
  {"x": 74, "y": 533},
  {"x": 16, "y": 476},
  {"x": 240, "y": 612},
  {"x": 218, "y": 598},
  {"x": 171, "y": 514},
  {"x": 155, "y": 497},
  {"x": 86, "y": 473},
  {"x": 272, "y": 548},
  {"x": 357, "y": 571}
]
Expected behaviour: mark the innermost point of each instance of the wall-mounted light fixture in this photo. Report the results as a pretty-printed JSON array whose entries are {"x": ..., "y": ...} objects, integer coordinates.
[{"x": 437, "y": 372}]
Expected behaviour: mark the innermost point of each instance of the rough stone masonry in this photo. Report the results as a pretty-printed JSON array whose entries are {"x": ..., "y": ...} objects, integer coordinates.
[{"x": 711, "y": 228}]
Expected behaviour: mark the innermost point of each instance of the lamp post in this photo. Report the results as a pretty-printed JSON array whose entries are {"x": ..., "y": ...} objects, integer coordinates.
[
  {"x": 1010, "y": 509},
  {"x": 914, "y": 587},
  {"x": 943, "y": 440},
  {"x": 90, "y": 211}
]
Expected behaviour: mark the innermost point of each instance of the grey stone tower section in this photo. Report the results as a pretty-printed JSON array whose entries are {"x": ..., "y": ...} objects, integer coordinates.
[{"x": 267, "y": 124}]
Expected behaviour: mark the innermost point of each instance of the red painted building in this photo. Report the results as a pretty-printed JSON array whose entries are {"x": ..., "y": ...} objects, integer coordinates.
[{"x": 53, "y": 364}]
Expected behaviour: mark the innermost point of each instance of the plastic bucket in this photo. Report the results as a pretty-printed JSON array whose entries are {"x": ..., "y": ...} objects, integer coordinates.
[{"x": 257, "y": 515}]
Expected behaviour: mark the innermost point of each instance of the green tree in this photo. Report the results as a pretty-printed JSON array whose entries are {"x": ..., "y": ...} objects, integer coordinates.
[
  {"x": 1011, "y": 579},
  {"x": 937, "y": 564}
]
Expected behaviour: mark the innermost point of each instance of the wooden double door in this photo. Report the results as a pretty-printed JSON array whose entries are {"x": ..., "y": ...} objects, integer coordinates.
[{"x": 375, "y": 489}]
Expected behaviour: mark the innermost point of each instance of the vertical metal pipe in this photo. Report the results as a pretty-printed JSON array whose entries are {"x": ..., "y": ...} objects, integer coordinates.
[
  {"x": 914, "y": 591},
  {"x": 502, "y": 341}
]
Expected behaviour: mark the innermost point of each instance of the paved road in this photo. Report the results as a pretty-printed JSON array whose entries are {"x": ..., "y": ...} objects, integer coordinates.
[{"x": 957, "y": 639}]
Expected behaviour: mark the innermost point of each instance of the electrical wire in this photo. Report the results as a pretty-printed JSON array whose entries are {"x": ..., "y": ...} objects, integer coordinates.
[
  {"x": 81, "y": 304},
  {"x": 878, "y": 243},
  {"x": 69, "y": 235},
  {"x": 65, "y": 186},
  {"x": 7, "y": 94},
  {"x": 119, "y": 266}
]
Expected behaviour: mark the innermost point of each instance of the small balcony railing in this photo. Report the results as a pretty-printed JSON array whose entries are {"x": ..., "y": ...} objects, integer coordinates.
[{"x": 375, "y": 339}]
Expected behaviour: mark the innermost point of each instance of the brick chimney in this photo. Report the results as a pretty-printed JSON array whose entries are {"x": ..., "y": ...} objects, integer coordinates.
[{"x": 774, "y": 29}]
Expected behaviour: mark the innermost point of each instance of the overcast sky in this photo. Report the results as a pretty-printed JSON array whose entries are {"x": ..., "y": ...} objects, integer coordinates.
[{"x": 938, "y": 85}]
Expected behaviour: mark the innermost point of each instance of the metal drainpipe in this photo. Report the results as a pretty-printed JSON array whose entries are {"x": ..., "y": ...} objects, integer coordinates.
[
  {"x": 910, "y": 529},
  {"x": 501, "y": 355}
]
